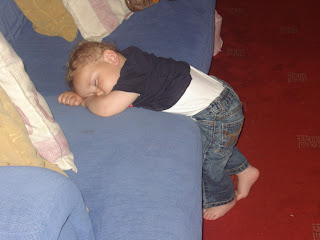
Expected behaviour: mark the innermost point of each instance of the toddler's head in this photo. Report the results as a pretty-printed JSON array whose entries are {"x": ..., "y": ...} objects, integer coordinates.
[{"x": 85, "y": 52}]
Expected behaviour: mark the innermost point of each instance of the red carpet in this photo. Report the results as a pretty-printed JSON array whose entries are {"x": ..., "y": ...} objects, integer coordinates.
[{"x": 271, "y": 56}]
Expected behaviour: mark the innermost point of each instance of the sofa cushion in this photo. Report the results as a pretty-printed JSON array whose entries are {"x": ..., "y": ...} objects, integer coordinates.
[
  {"x": 40, "y": 204},
  {"x": 44, "y": 132},
  {"x": 101, "y": 16},
  {"x": 12, "y": 20},
  {"x": 16, "y": 148},
  {"x": 49, "y": 18},
  {"x": 182, "y": 30}
]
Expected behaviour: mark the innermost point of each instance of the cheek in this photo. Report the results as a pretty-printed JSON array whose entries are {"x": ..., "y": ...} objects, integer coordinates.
[
  {"x": 109, "y": 83},
  {"x": 104, "y": 87}
]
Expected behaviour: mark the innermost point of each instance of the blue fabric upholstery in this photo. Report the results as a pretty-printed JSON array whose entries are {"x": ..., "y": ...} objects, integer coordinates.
[
  {"x": 12, "y": 21},
  {"x": 37, "y": 203},
  {"x": 183, "y": 30},
  {"x": 139, "y": 171}
]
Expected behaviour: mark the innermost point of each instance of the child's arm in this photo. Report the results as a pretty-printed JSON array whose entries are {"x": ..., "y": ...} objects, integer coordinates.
[
  {"x": 111, "y": 104},
  {"x": 70, "y": 98}
]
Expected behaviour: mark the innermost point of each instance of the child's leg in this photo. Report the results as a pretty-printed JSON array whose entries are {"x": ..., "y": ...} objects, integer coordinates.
[
  {"x": 220, "y": 125},
  {"x": 247, "y": 176},
  {"x": 246, "y": 173},
  {"x": 218, "y": 197}
]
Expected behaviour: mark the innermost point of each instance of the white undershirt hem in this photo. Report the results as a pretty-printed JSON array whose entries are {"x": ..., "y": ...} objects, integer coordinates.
[{"x": 202, "y": 90}]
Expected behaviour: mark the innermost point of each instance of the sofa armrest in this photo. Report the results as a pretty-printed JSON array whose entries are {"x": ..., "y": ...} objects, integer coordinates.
[{"x": 38, "y": 203}]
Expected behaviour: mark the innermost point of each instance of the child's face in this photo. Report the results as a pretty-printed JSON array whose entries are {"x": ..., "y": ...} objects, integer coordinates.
[{"x": 97, "y": 78}]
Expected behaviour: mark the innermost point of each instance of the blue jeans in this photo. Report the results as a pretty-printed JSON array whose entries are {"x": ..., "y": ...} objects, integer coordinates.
[{"x": 220, "y": 124}]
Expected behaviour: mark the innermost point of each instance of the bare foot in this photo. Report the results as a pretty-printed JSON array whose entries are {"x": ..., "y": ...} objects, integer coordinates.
[
  {"x": 246, "y": 179},
  {"x": 216, "y": 212}
]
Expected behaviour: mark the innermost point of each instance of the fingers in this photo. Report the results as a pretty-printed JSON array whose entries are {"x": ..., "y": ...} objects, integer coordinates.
[
  {"x": 74, "y": 102},
  {"x": 70, "y": 99}
]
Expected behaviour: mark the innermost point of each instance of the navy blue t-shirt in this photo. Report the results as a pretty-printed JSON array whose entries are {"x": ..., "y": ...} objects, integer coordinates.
[{"x": 159, "y": 81}]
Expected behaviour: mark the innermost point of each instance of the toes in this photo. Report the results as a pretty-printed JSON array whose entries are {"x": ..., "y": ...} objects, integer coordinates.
[{"x": 209, "y": 216}]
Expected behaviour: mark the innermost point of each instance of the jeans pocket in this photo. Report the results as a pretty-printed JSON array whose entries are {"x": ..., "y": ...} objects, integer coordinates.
[{"x": 230, "y": 132}]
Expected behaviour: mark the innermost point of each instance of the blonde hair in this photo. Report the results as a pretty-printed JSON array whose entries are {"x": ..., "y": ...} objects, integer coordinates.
[{"x": 83, "y": 53}]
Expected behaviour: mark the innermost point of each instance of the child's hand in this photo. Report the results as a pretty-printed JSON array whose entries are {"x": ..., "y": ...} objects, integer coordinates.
[{"x": 70, "y": 98}]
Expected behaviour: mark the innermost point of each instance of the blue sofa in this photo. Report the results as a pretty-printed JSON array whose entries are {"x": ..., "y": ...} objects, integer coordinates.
[{"x": 139, "y": 172}]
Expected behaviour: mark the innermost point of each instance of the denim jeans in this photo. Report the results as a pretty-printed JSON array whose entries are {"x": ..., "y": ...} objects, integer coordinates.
[{"x": 220, "y": 124}]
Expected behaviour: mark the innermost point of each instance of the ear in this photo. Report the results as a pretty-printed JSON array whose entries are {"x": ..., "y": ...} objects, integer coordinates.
[{"x": 111, "y": 57}]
